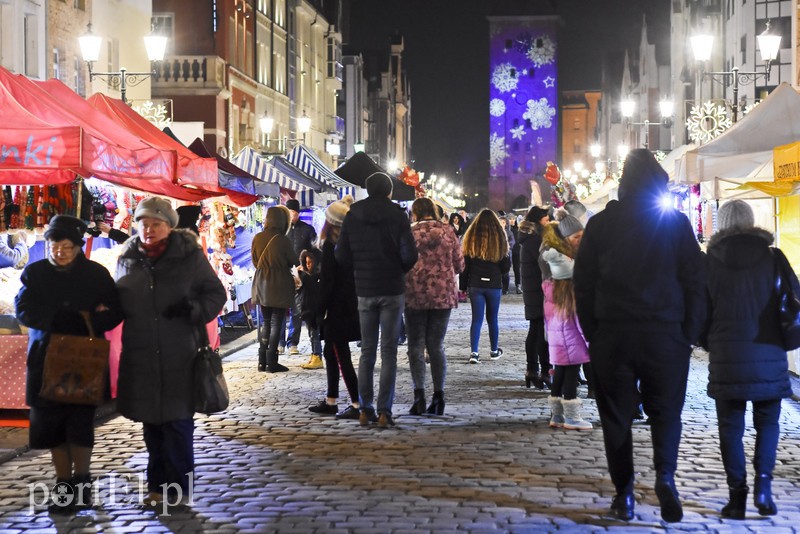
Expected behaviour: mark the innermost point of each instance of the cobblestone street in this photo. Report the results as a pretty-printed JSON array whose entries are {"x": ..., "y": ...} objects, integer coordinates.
[{"x": 490, "y": 464}]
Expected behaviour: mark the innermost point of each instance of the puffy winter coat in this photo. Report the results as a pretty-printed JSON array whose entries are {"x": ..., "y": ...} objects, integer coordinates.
[
  {"x": 156, "y": 365},
  {"x": 746, "y": 358},
  {"x": 338, "y": 301},
  {"x": 565, "y": 339},
  {"x": 273, "y": 257},
  {"x": 530, "y": 272},
  {"x": 376, "y": 242},
  {"x": 431, "y": 283},
  {"x": 302, "y": 236},
  {"x": 49, "y": 302}
]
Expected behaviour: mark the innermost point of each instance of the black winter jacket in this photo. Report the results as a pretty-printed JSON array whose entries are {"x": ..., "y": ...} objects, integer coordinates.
[
  {"x": 376, "y": 242},
  {"x": 532, "y": 294},
  {"x": 639, "y": 268},
  {"x": 746, "y": 357},
  {"x": 302, "y": 235},
  {"x": 482, "y": 273},
  {"x": 338, "y": 303}
]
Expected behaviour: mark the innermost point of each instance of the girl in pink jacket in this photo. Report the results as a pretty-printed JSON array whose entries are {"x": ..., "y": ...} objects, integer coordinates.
[{"x": 567, "y": 346}]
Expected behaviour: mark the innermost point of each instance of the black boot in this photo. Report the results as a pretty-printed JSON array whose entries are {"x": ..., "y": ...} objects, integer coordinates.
[
  {"x": 62, "y": 498},
  {"x": 82, "y": 484},
  {"x": 272, "y": 362},
  {"x": 737, "y": 503},
  {"x": 262, "y": 357},
  {"x": 437, "y": 403},
  {"x": 622, "y": 506},
  {"x": 762, "y": 495},
  {"x": 671, "y": 508},
  {"x": 418, "y": 408}
]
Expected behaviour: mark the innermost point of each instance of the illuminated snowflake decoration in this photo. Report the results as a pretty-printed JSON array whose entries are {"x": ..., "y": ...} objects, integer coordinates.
[
  {"x": 497, "y": 107},
  {"x": 155, "y": 113},
  {"x": 539, "y": 113},
  {"x": 504, "y": 77},
  {"x": 542, "y": 51},
  {"x": 497, "y": 150},
  {"x": 540, "y": 140},
  {"x": 707, "y": 121},
  {"x": 518, "y": 132},
  {"x": 749, "y": 107},
  {"x": 660, "y": 155}
]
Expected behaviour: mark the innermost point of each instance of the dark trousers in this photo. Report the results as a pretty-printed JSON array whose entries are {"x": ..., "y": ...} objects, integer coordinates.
[
  {"x": 536, "y": 349},
  {"x": 270, "y": 334},
  {"x": 171, "y": 455},
  {"x": 730, "y": 417},
  {"x": 660, "y": 362},
  {"x": 565, "y": 381},
  {"x": 338, "y": 359},
  {"x": 515, "y": 256}
]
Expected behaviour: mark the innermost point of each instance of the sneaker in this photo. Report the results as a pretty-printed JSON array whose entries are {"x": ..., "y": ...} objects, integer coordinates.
[
  {"x": 315, "y": 362},
  {"x": 367, "y": 416},
  {"x": 348, "y": 413},
  {"x": 324, "y": 408},
  {"x": 281, "y": 349},
  {"x": 474, "y": 358},
  {"x": 495, "y": 354},
  {"x": 293, "y": 351},
  {"x": 385, "y": 420}
]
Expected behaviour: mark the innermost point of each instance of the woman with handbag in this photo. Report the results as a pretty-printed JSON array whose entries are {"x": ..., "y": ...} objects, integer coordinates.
[
  {"x": 747, "y": 358},
  {"x": 169, "y": 292},
  {"x": 273, "y": 285},
  {"x": 55, "y": 291}
]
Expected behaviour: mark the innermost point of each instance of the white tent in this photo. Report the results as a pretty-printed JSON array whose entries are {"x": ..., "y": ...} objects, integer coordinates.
[{"x": 744, "y": 152}]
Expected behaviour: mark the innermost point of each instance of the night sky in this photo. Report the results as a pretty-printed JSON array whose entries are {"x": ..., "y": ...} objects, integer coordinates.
[{"x": 446, "y": 57}]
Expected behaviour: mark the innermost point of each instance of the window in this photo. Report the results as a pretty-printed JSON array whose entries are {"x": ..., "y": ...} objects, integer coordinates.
[
  {"x": 515, "y": 146},
  {"x": 30, "y": 45},
  {"x": 743, "y": 48},
  {"x": 56, "y": 64},
  {"x": 576, "y": 124},
  {"x": 529, "y": 166},
  {"x": 79, "y": 4},
  {"x": 6, "y": 23},
  {"x": 164, "y": 24},
  {"x": 576, "y": 146}
]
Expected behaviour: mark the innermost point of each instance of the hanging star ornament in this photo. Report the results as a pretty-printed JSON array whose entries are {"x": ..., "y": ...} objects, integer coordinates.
[{"x": 549, "y": 81}]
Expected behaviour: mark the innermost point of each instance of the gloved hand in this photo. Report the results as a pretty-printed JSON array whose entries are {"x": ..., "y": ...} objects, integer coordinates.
[{"x": 182, "y": 308}]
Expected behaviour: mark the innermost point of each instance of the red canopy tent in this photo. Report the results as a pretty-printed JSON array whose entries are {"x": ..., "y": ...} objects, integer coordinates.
[
  {"x": 194, "y": 170},
  {"x": 93, "y": 145}
]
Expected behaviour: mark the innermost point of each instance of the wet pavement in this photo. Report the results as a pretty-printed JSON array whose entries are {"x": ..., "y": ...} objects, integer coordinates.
[{"x": 490, "y": 464}]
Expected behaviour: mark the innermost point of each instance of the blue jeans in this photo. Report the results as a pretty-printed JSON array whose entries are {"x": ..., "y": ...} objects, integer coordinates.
[
  {"x": 384, "y": 314},
  {"x": 295, "y": 325},
  {"x": 488, "y": 299},
  {"x": 730, "y": 416},
  {"x": 316, "y": 344},
  {"x": 426, "y": 329},
  {"x": 170, "y": 448}
]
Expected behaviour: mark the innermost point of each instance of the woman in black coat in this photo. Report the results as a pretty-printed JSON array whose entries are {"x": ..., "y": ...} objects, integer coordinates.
[
  {"x": 747, "y": 361},
  {"x": 536, "y": 350},
  {"x": 338, "y": 310},
  {"x": 55, "y": 292}
]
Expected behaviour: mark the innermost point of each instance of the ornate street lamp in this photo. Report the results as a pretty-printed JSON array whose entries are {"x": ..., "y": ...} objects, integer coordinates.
[{"x": 304, "y": 125}]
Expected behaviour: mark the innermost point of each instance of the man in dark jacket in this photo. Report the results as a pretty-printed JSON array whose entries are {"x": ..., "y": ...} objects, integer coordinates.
[
  {"x": 376, "y": 242},
  {"x": 640, "y": 297},
  {"x": 302, "y": 235}
]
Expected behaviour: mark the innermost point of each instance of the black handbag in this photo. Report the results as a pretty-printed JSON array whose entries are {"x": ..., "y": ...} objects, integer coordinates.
[
  {"x": 210, "y": 388},
  {"x": 788, "y": 292}
]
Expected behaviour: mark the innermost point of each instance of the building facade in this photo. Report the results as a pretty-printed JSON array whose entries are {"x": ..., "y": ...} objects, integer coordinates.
[
  {"x": 22, "y": 37},
  {"x": 578, "y": 128}
]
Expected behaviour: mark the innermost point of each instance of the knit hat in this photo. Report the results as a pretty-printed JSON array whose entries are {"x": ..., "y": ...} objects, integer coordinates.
[
  {"x": 156, "y": 208},
  {"x": 379, "y": 184},
  {"x": 187, "y": 217},
  {"x": 66, "y": 227},
  {"x": 569, "y": 225},
  {"x": 561, "y": 266},
  {"x": 293, "y": 204},
  {"x": 536, "y": 213},
  {"x": 335, "y": 212},
  {"x": 735, "y": 213}
]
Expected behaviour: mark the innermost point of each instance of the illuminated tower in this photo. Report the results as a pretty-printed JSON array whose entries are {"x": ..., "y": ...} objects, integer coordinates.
[{"x": 523, "y": 106}]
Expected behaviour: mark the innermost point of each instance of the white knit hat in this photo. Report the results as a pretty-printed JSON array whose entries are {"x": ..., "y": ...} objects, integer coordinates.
[
  {"x": 561, "y": 266},
  {"x": 335, "y": 212}
]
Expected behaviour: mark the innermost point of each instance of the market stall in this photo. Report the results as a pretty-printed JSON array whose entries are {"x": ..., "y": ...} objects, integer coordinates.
[{"x": 307, "y": 160}]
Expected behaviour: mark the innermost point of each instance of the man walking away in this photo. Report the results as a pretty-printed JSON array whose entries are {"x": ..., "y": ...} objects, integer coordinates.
[
  {"x": 376, "y": 242},
  {"x": 640, "y": 296}
]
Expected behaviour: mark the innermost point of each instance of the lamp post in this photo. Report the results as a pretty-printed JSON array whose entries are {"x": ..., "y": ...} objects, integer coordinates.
[
  {"x": 90, "y": 50},
  {"x": 666, "y": 108},
  {"x": 267, "y": 123},
  {"x": 769, "y": 46},
  {"x": 304, "y": 125}
]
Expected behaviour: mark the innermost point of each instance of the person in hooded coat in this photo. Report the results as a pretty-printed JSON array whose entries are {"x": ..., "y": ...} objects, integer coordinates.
[
  {"x": 747, "y": 361},
  {"x": 273, "y": 285},
  {"x": 169, "y": 292},
  {"x": 640, "y": 297}
]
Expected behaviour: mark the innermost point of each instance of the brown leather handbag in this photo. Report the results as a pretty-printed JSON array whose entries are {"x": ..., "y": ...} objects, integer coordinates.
[{"x": 75, "y": 368}]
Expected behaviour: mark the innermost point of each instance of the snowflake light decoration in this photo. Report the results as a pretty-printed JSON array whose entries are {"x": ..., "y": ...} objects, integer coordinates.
[
  {"x": 497, "y": 107},
  {"x": 707, "y": 121},
  {"x": 504, "y": 77},
  {"x": 155, "y": 113},
  {"x": 497, "y": 150},
  {"x": 539, "y": 113},
  {"x": 518, "y": 132},
  {"x": 542, "y": 51},
  {"x": 749, "y": 107}
]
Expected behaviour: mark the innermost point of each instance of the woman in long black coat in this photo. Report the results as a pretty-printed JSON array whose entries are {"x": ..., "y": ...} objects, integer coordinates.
[
  {"x": 530, "y": 240},
  {"x": 747, "y": 361}
]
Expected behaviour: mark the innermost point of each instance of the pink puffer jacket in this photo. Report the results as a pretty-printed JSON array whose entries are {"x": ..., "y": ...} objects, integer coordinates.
[{"x": 564, "y": 336}]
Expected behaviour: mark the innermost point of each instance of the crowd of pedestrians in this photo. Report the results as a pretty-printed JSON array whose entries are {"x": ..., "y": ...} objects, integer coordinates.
[{"x": 621, "y": 296}]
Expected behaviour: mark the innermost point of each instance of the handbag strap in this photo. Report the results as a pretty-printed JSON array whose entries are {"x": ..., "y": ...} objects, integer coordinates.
[
  {"x": 265, "y": 251},
  {"x": 87, "y": 318}
]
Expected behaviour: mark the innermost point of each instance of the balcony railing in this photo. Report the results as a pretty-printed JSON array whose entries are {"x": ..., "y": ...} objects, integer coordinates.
[{"x": 198, "y": 72}]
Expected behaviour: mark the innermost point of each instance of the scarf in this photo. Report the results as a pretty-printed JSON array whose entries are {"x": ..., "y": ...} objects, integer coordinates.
[{"x": 154, "y": 251}]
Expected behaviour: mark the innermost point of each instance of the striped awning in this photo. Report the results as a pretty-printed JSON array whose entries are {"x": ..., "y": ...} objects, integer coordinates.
[
  {"x": 307, "y": 160},
  {"x": 252, "y": 162}
]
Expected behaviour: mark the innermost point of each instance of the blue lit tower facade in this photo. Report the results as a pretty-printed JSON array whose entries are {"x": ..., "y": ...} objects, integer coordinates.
[{"x": 523, "y": 107}]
